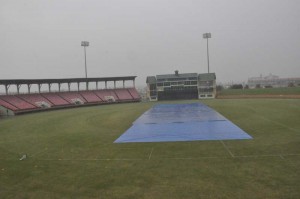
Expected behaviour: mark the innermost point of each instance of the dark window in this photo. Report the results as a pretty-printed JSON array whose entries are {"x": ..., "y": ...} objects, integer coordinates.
[
  {"x": 152, "y": 86},
  {"x": 187, "y": 82},
  {"x": 206, "y": 90},
  {"x": 167, "y": 83},
  {"x": 153, "y": 93}
]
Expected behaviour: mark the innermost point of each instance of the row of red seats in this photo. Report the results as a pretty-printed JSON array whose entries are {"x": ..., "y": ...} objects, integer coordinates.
[{"x": 28, "y": 102}]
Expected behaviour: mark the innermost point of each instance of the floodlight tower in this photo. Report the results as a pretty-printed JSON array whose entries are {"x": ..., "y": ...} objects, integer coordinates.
[
  {"x": 85, "y": 44},
  {"x": 206, "y": 36}
]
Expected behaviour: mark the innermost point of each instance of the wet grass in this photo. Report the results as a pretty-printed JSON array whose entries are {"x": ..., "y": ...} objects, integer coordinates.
[
  {"x": 261, "y": 91},
  {"x": 71, "y": 155}
]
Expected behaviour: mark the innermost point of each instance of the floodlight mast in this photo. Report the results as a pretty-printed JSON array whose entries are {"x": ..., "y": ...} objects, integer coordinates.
[
  {"x": 85, "y": 44},
  {"x": 206, "y": 36}
]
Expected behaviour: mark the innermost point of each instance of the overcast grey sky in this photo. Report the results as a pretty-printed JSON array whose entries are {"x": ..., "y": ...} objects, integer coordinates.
[{"x": 41, "y": 38}]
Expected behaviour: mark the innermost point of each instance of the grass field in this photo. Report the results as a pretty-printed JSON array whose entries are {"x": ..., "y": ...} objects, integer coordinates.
[
  {"x": 262, "y": 91},
  {"x": 72, "y": 155}
]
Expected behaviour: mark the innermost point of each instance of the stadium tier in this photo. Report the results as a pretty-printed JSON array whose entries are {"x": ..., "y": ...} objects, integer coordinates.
[
  {"x": 90, "y": 97},
  {"x": 123, "y": 94},
  {"x": 35, "y": 99},
  {"x": 22, "y": 103},
  {"x": 134, "y": 93},
  {"x": 8, "y": 105},
  {"x": 55, "y": 99},
  {"x": 107, "y": 95},
  {"x": 73, "y": 97},
  {"x": 18, "y": 102},
  {"x": 181, "y": 86},
  {"x": 33, "y": 102}
]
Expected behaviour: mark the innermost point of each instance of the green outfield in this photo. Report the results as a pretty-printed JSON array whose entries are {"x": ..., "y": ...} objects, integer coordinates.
[
  {"x": 71, "y": 154},
  {"x": 262, "y": 91}
]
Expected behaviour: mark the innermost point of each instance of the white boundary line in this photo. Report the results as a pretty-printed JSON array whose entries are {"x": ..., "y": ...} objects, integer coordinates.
[
  {"x": 280, "y": 124},
  {"x": 291, "y": 154},
  {"x": 257, "y": 156},
  {"x": 94, "y": 159},
  {"x": 39, "y": 152},
  {"x": 281, "y": 156},
  {"x": 275, "y": 122},
  {"x": 227, "y": 149},
  {"x": 150, "y": 153}
]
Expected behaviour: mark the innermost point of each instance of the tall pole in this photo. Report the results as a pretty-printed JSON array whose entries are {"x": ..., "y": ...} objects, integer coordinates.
[
  {"x": 206, "y": 36},
  {"x": 85, "y": 44},
  {"x": 85, "y": 62},
  {"x": 207, "y": 57}
]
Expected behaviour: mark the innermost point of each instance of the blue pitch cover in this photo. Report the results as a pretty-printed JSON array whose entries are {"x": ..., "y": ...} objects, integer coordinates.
[{"x": 181, "y": 122}]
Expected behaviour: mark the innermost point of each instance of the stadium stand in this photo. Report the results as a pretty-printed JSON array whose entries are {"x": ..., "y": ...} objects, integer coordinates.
[
  {"x": 55, "y": 99},
  {"x": 181, "y": 86},
  {"x": 72, "y": 97},
  {"x": 36, "y": 99},
  {"x": 8, "y": 105},
  {"x": 30, "y": 102},
  {"x": 107, "y": 95},
  {"x": 90, "y": 97},
  {"x": 134, "y": 93},
  {"x": 123, "y": 94},
  {"x": 17, "y": 102}
]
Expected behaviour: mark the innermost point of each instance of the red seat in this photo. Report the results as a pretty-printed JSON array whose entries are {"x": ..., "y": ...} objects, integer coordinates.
[
  {"x": 134, "y": 93},
  {"x": 104, "y": 94},
  {"x": 123, "y": 94},
  {"x": 55, "y": 99},
  {"x": 7, "y": 105},
  {"x": 90, "y": 96},
  {"x": 71, "y": 97},
  {"x": 17, "y": 102},
  {"x": 35, "y": 98}
]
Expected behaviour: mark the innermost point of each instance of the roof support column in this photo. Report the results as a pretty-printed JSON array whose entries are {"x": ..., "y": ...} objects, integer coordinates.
[
  {"x": 87, "y": 85},
  {"x": 18, "y": 88},
  {"x": 40, "y": 86},
  {"x": 114, "y": 84},
  {"x": 69, "y": 86},
  {"x": 78, "y": 84},
  {"x": 59, "y": 84},
  {"x": 49, "y": 86},
  {"x": 96, "y": 85},
  {"x": 29, "y": 86},
  {"x": 123, "y": 83},
  {"x": 134, "y": 83},
  {"x": 105, "y": 84},
  {"x": 6, "y": 88}
]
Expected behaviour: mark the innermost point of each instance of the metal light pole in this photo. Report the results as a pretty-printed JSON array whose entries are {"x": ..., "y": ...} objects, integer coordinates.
[
  {"x": 85, "y": 44},
  {"x": 206, "y": 36}
]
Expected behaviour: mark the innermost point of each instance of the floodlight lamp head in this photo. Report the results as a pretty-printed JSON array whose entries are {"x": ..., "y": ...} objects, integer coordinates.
[
  {"x": 85, "y": 43},
  {"x": 206, "y": 35}
]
